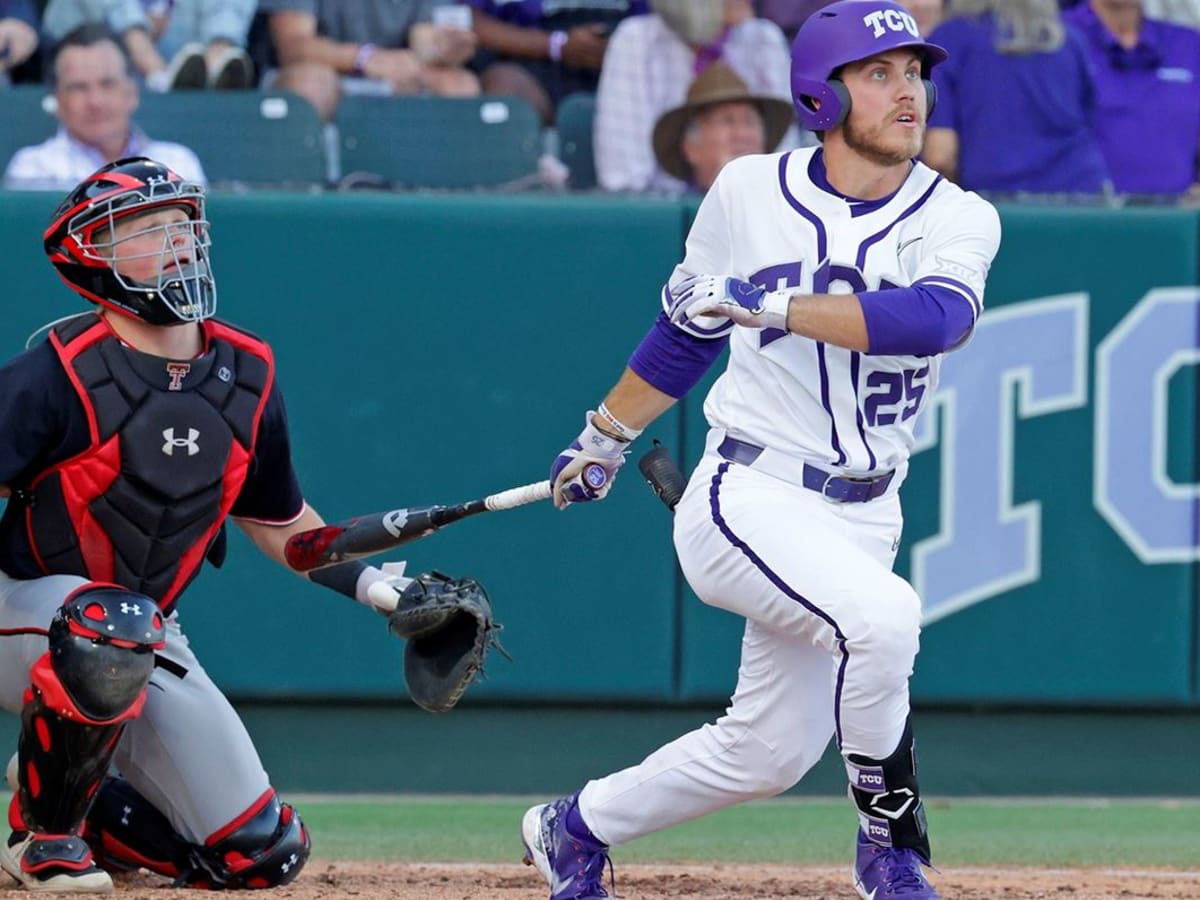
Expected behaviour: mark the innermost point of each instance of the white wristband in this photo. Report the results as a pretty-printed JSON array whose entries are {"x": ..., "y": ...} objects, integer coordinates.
[
  {"x": 775, "y": 308},
  {"x": 610, "y": 423}
]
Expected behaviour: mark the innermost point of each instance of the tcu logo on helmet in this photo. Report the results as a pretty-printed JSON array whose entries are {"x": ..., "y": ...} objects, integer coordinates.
[{"x": 885, "y": 20}]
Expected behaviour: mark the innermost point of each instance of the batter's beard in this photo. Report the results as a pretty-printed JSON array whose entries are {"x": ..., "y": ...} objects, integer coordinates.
[{"x": 869, "y": 146}]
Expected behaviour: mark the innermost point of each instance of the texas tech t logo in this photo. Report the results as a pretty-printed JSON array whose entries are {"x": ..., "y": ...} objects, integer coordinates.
[
  {"x": 177, "y": 371},
  {"x": 173, "y": 442}
]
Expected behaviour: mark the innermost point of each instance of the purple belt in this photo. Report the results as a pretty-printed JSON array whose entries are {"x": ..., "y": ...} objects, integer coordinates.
[{"x": 838, "y": 488}]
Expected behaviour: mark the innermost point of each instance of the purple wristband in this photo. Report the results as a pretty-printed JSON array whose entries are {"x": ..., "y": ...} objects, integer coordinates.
[{"x": 365, "y": 52}]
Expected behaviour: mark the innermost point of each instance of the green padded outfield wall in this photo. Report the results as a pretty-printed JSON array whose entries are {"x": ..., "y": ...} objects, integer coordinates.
[
  {"x": 435, "y": 348},
  {"x": 431, "y": 350}
]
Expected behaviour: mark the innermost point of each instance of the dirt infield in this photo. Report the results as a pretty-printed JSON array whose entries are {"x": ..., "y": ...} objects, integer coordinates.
[{"x": 323, "y": 880}]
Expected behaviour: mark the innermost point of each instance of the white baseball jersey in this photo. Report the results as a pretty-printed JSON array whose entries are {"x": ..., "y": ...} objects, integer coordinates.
[
  {"x": 766, "y": 221},
  {"x": 831, "y": 631}
]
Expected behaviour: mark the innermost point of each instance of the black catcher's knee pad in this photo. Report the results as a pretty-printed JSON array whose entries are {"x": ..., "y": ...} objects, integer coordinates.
[
  {"x": 102, "y": 643},
  {"x": 888, "y": 797},
  {"x": 83, "y": 689},
  {"x": 268, "y": 849},
  {"x": 127, "y": 832}
]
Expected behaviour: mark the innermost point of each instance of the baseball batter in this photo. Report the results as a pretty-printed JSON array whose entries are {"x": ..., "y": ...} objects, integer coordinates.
[
  {"x": 838, "y": 276},
  {"x": 126, "y": 440}
]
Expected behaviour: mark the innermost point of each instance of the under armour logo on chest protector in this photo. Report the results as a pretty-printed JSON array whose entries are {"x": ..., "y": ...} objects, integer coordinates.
[{"x": 171, "y": 442}]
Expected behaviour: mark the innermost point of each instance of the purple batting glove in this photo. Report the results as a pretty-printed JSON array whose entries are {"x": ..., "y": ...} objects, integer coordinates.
[{"x": 585, "y": 470}]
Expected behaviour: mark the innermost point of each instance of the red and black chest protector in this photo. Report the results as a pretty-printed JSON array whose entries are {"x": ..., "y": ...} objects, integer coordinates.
[{"x": 171, "y": 444}]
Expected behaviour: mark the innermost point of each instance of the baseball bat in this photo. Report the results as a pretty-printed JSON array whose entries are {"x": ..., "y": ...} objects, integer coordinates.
[
  {"x": 365, "y": 535},
  {"x": 663, "y": 475},
  {"x": 374, "y": 533}
]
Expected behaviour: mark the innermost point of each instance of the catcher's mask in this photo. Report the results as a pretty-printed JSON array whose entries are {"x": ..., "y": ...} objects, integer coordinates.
[
  {"x": 82, "y": 245},
  {"x": 843, "y": 33}
]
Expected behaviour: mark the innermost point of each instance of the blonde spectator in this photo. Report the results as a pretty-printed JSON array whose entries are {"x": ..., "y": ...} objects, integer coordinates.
[
  {"x": 650, "y": 62},
  {"x": 1016, "y": 103}
]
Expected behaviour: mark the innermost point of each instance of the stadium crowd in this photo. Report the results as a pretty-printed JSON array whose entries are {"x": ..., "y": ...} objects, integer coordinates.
[{"x": 1040, "y": 97}]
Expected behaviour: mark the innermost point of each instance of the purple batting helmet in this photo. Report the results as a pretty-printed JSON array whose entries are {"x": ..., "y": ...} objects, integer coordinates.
[{"x": 845, "y": 32}]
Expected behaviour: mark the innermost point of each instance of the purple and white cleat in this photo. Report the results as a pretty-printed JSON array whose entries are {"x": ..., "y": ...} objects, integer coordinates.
[
  {"x": 881, "y": 873},
  {"x": 573, "y": 866}
]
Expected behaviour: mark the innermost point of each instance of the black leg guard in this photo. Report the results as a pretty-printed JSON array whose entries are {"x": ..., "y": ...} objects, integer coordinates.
[
  {"x": 268, "y": 848},
  {"x": 84, "y": 689},
  {"x": 127, "y": 832},
  {"x": 888, "y": 799}
]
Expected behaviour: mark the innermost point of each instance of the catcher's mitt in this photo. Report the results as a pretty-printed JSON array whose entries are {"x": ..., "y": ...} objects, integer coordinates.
[{"x": 448, "y": 625}]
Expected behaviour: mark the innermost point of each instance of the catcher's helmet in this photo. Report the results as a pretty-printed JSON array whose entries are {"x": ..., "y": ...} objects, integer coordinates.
[
  {"x": 842, "y": 33},
  {"x": 80, "y": 242}
]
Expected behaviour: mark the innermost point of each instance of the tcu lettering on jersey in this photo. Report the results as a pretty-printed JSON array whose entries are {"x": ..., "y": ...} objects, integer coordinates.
[{"x": 835, "y": 407}]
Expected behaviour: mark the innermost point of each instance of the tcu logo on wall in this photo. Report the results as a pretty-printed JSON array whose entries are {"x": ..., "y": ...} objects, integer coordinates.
[{"x": 885, "y": 20}]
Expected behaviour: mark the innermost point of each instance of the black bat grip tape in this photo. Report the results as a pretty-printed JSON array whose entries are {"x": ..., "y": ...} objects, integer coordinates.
[{"x": 663, "y": 475}]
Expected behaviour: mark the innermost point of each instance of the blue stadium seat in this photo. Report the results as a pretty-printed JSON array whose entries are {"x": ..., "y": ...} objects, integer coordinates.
[
  {"x": 242, "y": 137},
  {"x": 271, "y": 139},
  {"x": 438, "y": 142},
  {"x": 576, "y": 118},
  {"x": 27, "y": 112}
]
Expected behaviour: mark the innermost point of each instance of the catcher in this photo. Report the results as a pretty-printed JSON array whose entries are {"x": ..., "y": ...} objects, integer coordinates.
[{"x": 126, "y": 441}]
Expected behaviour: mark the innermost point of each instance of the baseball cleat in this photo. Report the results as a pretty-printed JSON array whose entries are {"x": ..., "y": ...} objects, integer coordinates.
[
  {"x": 59, "y": 862},
  {"x": 881, "y": 873},
  {"x": 572, "y": 866}
]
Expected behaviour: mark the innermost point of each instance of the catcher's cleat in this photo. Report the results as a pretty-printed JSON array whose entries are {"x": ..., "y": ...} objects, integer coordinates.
[
  {"x": 881, "y": 873},
  {"x": 53, "y": 862},
  {"x": 572, "y": 866}
]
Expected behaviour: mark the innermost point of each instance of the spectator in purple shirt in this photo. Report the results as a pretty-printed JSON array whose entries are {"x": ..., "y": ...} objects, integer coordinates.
[
  {"x": 1015, "y": 102},
  {"x": 1147, "y": 84}
]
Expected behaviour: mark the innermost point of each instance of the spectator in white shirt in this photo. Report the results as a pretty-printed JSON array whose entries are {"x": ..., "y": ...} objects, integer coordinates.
[
  {"x": 650, "y": 62},
  {"x": 96, "y": 96}
]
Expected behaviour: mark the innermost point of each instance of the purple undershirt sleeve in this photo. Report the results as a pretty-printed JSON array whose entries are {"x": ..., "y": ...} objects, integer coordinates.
[
  {"x": 922, "y": 320},
  {"x": 671, "y": 359}
]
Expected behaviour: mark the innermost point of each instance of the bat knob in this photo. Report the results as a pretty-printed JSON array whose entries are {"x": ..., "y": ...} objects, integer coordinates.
[
  {"x": 595, "y": 476},
  {"x": 663, "y": 476}
]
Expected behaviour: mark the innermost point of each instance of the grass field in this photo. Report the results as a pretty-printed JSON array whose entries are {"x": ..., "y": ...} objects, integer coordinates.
[{"x": 1108, "y": 833}]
